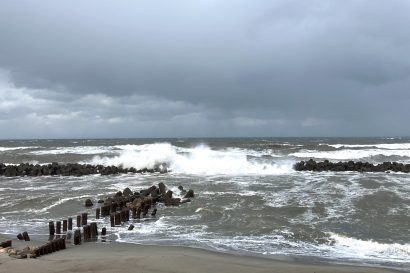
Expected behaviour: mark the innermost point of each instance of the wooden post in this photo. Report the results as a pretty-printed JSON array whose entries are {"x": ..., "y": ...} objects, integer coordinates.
[
  {"x": 123, "y": 216},
  {"x": 64, "y": 226},
  {"x": 58, "y": 227},
  {"x": 42, "y": 250},
  {"x": 56, "y": 244},
  {"x": 84, "y": 219},
  {"x": 5, "y": 244},
  {"x": 49, "y": 249},
  {"x": 112, "y": 215},
  {"x": 37, "y": 252},
  {"x": 106, "y": 210},
  {"x": 51, "y": 228},
  {"x": 78, "y": 220},
  {"x": 70, "y": 223},
  {"x": 97, "y": 213},
  {"x": 77, "y": 237},
  {"x": 62, "y": 244},
  {"x": 113, "y": 207},
  {"x": 117, "y": 219},
  {"x": 103, "y": 211},
  {"x": 52, "y": 246},
  {"x": 93, "y": 230},
  {"x": 85, "y": 233},
  {"x": 25, "y": 236}
]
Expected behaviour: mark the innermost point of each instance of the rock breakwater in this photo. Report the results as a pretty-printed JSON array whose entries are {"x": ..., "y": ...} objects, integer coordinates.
[
  {"x": 71, "y": 169},
  {"x": 312, "y": 165}
]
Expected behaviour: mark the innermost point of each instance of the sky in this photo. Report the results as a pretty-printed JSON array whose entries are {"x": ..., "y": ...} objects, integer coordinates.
[{"x": 204, "y": 68}]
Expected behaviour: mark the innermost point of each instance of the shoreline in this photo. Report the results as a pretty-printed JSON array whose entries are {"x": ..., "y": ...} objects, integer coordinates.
[{"x": 129, "y": 257}]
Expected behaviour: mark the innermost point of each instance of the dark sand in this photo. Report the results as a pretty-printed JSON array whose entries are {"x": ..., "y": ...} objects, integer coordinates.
[{"x": 123, "y": 258}]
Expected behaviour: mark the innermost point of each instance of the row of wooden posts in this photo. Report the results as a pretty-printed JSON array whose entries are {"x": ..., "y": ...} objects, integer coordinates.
[
  {"x": 91, "y": 231},
  {"x": 50, "y": 247}
]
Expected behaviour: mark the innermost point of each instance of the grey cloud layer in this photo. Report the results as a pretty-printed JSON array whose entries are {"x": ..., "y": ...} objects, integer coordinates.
[{"x": 225, "y": 67}]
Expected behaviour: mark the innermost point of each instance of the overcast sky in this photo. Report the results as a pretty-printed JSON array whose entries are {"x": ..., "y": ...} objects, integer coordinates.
[{"x": 204, "y": 68}]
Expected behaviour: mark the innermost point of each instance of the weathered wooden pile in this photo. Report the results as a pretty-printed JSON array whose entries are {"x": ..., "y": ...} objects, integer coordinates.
[
  {"x": 312, "y": 165},
  {"x": 6, "y": 247},
  {"x": 119, "y": 207},
  {"x": 71, "y": 169}
]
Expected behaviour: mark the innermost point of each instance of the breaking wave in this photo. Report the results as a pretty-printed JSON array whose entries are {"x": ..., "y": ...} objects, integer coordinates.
[
  {"x": 81, "y": 150},
  {"x": 387, "y": 146},
  {"x": 5, "y": 149},
  {"x": 197, "y": 160},
  {"x": 349, "y": 154},
  {"x": 362, "y": 249}
]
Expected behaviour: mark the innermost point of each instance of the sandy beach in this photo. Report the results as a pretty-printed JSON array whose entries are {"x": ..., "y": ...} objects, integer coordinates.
[{"x": 122, "y": 257}]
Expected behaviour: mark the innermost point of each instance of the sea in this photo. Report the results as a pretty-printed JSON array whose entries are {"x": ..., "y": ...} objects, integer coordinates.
[{"x": 248, "y": 198}]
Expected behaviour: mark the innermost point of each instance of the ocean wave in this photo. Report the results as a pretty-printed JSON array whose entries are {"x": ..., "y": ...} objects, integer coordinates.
[
  {"x": 197, "y": 160},
  {"x": 387, "y": 146},
  {"x": 349, "y": 154},
  {"x": 81, "y": 150},
  {"x": 5, "y": 149},
  {"x": 59, "y": 202},
  {"x": 362, "y": 249}
]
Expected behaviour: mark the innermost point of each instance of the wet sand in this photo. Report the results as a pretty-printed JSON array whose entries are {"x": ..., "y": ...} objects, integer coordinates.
[{"x": 121, "y": 257}]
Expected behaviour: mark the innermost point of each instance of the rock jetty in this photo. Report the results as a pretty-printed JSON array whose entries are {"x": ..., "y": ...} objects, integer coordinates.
[
  {"x": 312, "y": 165},
  {"x": 71, "y": 169}
]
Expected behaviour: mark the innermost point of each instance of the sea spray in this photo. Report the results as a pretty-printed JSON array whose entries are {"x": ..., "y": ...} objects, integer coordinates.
[{"x": 198, "y": 160}]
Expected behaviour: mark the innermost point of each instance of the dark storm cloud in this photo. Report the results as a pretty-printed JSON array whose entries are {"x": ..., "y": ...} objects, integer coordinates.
[{"x": 208, "y": 67}]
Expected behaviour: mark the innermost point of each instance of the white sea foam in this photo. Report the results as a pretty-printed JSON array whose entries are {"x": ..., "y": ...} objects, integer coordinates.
[
  {"x": 361, "y": 249},
  {"x": 5, "y": 149},
  {"x": 349, "y": 154},
  {"x": 198, "y": 160},
  {"x": 81, "y": 150},
  {"x": 387, "y": 146},
  {"x": 59, "y": 202}
]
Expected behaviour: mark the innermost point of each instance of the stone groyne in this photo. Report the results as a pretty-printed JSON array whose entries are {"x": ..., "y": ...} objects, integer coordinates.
[
  {"x": 326, "y": 165},
  {"x": 71, "y": 169}
]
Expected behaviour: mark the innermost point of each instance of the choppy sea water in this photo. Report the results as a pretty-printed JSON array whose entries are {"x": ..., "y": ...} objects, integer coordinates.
[{"x": 248, "y": 197}]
